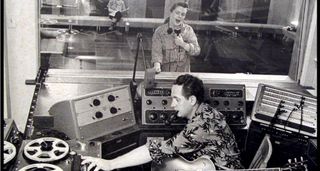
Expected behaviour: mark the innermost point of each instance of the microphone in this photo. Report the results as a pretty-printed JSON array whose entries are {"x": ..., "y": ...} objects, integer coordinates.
[{"x": 177, "y": 33}]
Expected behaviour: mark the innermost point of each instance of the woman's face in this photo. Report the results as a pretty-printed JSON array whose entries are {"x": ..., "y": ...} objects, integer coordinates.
[{"x": 177, "y": 16}]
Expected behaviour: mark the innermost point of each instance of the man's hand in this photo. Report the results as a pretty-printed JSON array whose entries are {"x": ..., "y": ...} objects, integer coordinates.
[
  {"x": 157, "y": 67},
  {"x": 98, "y": 163}
]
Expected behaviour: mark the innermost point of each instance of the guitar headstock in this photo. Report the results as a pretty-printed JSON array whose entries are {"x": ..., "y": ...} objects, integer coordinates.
[{"x": 296, "y": 165}]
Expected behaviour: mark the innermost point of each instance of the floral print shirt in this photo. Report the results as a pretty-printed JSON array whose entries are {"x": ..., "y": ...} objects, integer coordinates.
[
  {"x": 166, "y": 52},
  {"x": 206, "y": 133},
  {"x": 115, "y": 6}
]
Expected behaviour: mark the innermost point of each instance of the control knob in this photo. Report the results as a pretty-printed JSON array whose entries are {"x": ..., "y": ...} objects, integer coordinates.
[
  {"x": 113, "y": 110},
  {"x": 111, "y": 98},
  {"x": 226, "y": 103},
  {"x": 152, "y": 116},
  {"x": 215, "y": 103},
  {"x": 163, "y": 116},
  {"x": 164, "y": 102},
  {"x": 149, "y": 102},
  {"x": 96, "y": 102},
  {"x": 99, "y": 114}
]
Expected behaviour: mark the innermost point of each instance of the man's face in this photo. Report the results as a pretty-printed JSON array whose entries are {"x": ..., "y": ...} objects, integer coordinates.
[
  {"x": 180, "y": 103},
  {"x": 177, "y": 16}
]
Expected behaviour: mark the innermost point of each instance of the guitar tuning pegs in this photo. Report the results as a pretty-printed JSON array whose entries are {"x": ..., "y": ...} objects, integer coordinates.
[
  {"x": 289, "y": 161},
  {"x": 301, "y": 159},
  {"x": 295, "y": 160}
]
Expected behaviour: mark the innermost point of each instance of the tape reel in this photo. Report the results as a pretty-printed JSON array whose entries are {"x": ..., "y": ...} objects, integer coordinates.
[
  {"x": 9, "y": 152},
  {"x": 41, "y": 166},
  {"x": 46, "y": 149}
]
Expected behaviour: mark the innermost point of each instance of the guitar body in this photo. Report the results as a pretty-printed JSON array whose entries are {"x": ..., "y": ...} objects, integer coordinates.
[{"x": 202, "y": 163}]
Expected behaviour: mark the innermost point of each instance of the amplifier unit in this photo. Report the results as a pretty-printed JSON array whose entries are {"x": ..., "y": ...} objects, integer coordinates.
[
  {"x": 285, "y": 110},
  {"x": 156, "y": 106},
  {"x": 96, "y": 114},
  {"x": 119, "y": 142},
  {"x": 229, "y": 99}
]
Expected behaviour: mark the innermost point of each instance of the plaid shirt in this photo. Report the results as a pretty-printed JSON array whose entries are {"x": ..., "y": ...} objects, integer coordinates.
[
  {"x": 207, "y": 133},
  {"x": 165, "y": 51}
]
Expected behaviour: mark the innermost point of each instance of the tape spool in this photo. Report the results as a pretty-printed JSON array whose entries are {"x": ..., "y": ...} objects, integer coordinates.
[
  {"x": 41, "y": 166},
  {"x": 9, "y": 152},
  {"x": 46, "y": 149}
]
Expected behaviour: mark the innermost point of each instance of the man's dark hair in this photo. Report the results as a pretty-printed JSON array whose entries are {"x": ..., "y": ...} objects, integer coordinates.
[
  {"x": 181, "y": 4},
  {"x": 191, "y": 85}
]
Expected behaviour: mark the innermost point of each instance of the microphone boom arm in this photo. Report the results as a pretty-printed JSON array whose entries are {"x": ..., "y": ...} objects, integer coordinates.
[{"x": 133, "y": 84}]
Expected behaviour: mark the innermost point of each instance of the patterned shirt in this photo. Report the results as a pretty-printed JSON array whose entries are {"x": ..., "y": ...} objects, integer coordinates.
[
  {"x": 115, "y": 6},
  {"x": 206, "y": 133},
  {"x": 166, "y": 52}
]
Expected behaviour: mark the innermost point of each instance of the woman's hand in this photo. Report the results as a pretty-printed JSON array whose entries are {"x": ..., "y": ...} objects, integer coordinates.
[
  {"x": 180, "y": 42},
  {"x": 98, "y": 163}
]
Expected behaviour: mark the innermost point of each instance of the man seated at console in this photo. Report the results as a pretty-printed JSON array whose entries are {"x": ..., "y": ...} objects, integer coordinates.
[{"x": 206, "y": 133}]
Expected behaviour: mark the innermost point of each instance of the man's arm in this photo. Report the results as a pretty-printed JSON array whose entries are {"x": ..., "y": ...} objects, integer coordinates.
[{"x": 135, "y": 157}]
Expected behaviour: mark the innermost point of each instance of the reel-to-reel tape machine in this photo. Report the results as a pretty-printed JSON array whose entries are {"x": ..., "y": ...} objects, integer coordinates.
[
  {"x": 50, "y": 153},
  {"x": 9, "y": 152}
]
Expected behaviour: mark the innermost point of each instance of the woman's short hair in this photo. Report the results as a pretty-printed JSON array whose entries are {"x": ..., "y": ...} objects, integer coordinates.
[
  {"x": 181, "y": 4},
  {"x": 191, "y": 85}
]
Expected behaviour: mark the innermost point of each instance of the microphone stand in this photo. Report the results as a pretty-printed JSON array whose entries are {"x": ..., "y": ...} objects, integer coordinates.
[{"x": 133, "y": 84}]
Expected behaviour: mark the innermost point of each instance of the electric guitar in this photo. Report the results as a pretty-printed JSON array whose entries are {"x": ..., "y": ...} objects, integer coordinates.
[{"x": 204, "y": 163}]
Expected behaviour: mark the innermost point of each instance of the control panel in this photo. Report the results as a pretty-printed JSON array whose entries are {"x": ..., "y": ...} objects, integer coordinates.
[
  {"x": 230, "y": 100},
  {"x": 156, "y": 106},
  {"x": 96, "y": 114},
  {"x": 102, "y": 106},
  {"x": 285, "y": 110}
]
